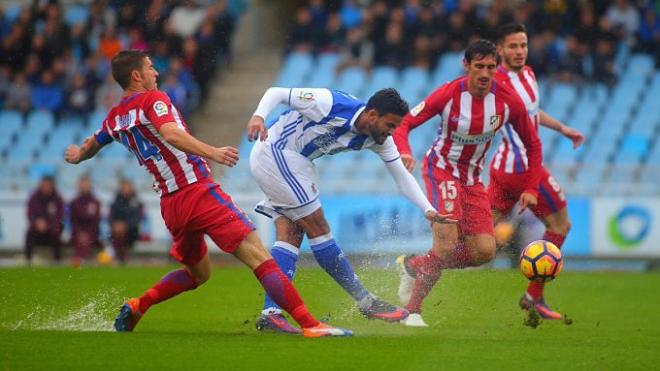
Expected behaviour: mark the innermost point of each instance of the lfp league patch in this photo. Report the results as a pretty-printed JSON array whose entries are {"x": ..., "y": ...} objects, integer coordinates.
[{"x": 160, "y": 108}]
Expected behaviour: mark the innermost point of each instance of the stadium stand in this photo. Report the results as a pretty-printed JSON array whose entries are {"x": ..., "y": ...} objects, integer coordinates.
[
  {"x": 609, "y": 90},
  {"x": 72, "y": 42}
]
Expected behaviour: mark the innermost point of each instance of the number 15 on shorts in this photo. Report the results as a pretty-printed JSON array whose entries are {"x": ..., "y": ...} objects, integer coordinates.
[{"x": 448, "y": 194}]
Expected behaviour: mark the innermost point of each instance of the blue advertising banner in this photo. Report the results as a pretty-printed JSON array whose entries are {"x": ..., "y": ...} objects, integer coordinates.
[{"x": 375, "y": 225}]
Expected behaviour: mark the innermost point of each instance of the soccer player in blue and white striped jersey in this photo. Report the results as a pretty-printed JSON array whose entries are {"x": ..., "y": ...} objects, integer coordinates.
[{"x": 322, "y": 122}]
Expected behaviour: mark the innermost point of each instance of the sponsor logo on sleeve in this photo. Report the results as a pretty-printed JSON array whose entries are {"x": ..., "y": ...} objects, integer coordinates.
[
  {"x": 417, "y": 109},
  {"x": 160, "y": 108},
  {"x": 307, "y": 96}
]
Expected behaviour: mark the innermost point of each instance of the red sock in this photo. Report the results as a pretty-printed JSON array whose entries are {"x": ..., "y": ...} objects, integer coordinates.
[
  {"x": 427, "y": 268},
  {"x": 556, "y": 238},
  {"x": 169, "y": 286},
  {"x": 535, "y": 289},
  {"x": 461, "y": 257},
  {"x": 280, "y": 289}
]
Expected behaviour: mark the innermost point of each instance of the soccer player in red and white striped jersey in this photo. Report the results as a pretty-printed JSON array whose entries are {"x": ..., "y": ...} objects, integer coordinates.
[
  {"x": 148, "y": 124},
  {"x": 472, "y": 109},
  {"x": 509, "y": 168}
]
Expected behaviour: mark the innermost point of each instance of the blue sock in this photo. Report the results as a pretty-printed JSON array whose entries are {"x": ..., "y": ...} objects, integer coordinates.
[
  {"x": 332, "y": 259},
  {"x": 286, "y": 256}
]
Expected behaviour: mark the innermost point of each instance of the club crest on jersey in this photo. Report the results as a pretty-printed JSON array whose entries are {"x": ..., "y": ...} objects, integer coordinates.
[
  {"x": 307, "y": 96},
  {"x": 449, "y": 206},
  {"x": 417, "y": 109},
  {"x": 496, "y": 121},
  {"x": 160, "y": 108}
]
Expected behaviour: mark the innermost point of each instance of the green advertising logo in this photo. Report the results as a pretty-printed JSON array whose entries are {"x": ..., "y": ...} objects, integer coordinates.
[{"x": 629, "y": 227}]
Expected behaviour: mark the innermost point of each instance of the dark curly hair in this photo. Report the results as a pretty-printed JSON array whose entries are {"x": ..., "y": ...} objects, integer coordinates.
[{"x": 387, "y": 101}]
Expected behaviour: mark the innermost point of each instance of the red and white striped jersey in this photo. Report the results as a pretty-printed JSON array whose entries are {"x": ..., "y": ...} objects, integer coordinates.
[
  {"x": 134, "y": 122},
  {"x": 468, "y": 126},
  {"x": 511, "y": 156}
]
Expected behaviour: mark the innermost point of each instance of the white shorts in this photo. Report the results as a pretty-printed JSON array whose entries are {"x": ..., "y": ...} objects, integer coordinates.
[{"x": 287, "y": 178}]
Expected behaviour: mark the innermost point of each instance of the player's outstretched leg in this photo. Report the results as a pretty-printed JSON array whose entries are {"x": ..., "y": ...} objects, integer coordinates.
[
  {"x": 271, "y": 318},
  {"x": 558, "y": 225},
  {"x": 279, "y": 288},
  {"x": 418, "y": 276},
  {"x": 169, "y": 286},
  {"x": 332, "y": 259}
]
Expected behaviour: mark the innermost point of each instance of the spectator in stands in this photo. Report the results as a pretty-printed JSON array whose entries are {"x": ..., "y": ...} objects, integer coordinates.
[
  {"x": 333, "y": 36},
  {"x": 125, "y": 216},
  {"x": 358, "y": 50},
  {"x": 603, "y": 61},
  {"x": 392, "y": 51},
  {"x": 85, "y": 219},
  {"x": 108, "y": 94},
  {"x": 187, "y": 18},
  {"x": 109, "y": 45},
  {"x": 48, "y": 94},
  {"x": 649, "y": 34},
  {"x": 45, "y": 211},
  {"x": 78, "y": 43},
  {"x": 79, "y": 98},
  {"x": 624, "y": 18},
  {"x": 5, "y": 81},
  {"x": 19, "y": 95},
  {"x": 176, "y": 91},
  {"x": 571, "y": 63},
  {"x": 301, "y": 36}
]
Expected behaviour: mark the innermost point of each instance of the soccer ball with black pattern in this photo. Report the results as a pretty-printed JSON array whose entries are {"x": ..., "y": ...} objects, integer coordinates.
[{"x": 541, "y": 261}]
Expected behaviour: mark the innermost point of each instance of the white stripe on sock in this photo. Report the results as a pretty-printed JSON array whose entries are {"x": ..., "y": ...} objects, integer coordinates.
[
  {"x": 320, "y": 239},
  {"x": 286, "y": 246}
]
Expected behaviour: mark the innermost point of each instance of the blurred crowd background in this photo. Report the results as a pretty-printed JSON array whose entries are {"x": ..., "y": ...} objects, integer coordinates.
[
  {"x": 571, "y": 40},
  {"x": 56, "y": 57}
]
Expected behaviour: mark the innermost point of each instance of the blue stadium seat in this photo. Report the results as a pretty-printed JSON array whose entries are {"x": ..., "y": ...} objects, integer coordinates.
[
  {"x": 95, "y": 119},
  {"x": 589, "y": 177},
  {"x": 633, "y": 148},
  {"x": 562, "y": 94},
  {"x": 322, "y": 73},
  {"x": 565, "y": 154},
  {"x": 352, "y": 81},
  {"x": 39, "y": 123},
  {"x": 414, "y": 80},
  {"x": 38, "y": 170},
  {"x": 24, "y": 149},
  {"x": 598, "y": 152},
  {"x": 653, "y": 157},
  {"x": 295, "y": 69},
  {"x": 450, "y": 67},
  {"x": 640, "y": 64},
  {"x": 10, "y": 122},
  {"x": 381, "y": 77}
]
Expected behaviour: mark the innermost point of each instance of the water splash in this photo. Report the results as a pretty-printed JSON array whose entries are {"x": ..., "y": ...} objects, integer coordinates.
[{"x": 94, "y": 313}]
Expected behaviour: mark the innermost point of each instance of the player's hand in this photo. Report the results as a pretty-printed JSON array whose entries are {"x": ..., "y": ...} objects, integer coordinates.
[
  {"x": 408, "y": 162},
  {"x": 257, "y": 129},
  {"x": 72, "y": 154},
  {"x": 435, "y": 217},
  {"x": 227, "y": 156},
  {"x": 527, "y": 200},
  {"x": 575, "y": 136}
]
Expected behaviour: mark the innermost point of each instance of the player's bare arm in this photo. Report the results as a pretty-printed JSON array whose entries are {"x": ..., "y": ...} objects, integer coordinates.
[
  {"x": 75, "y": 154},
  {"x": 185, "y": 142},
  {"x": 552, "y": 123}
]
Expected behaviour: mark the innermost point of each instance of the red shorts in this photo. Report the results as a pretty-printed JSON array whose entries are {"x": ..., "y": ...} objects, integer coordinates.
[
  {"x": 467, "y": 204},
  {"x": 504, "y": 192},
  {"x": 199, "y": 209}
]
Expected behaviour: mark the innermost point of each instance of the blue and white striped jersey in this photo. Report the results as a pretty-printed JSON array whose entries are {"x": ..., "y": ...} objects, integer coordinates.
[{"x": 322, "y": 122}]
